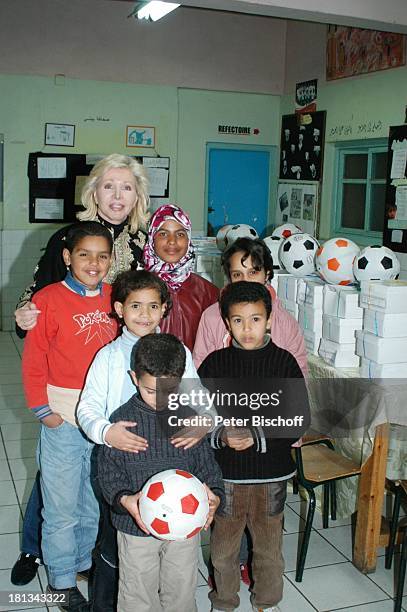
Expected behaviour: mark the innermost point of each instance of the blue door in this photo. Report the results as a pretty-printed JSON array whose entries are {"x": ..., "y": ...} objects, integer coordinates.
[{"x": 238, "y": 186}]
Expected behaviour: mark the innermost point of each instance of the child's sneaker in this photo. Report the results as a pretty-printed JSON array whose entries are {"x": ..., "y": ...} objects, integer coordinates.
[
  {"x": 273, "y": 609},
  {"x": 244, "y": 574}
]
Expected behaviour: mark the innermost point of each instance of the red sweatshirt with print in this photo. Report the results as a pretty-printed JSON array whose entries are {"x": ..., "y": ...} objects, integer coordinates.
[{"x": 70, "y": 331}]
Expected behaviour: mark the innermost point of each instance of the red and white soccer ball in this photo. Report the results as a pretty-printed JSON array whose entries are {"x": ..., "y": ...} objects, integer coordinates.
[
  {"x": 297, "y": 254},
  {"x": 174, "y": 505},
  {"x": 334, "y": 261},
  {"x": 286, "y": 230},
  {"x": 273, "y": 243},
  {"x": 220, "y": 236},
  {"x": 376, "y": 263},
  {"x": 240, "y": 230}
]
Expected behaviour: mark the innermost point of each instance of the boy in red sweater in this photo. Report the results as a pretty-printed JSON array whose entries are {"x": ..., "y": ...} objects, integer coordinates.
[{"x": 74, "y": 324}]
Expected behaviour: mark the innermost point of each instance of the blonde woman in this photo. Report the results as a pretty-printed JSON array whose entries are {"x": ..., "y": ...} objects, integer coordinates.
[{"x": 116, "y": 195}]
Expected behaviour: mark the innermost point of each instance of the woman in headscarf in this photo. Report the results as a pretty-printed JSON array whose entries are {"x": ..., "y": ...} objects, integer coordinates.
[{"x": 170, "y": 254}]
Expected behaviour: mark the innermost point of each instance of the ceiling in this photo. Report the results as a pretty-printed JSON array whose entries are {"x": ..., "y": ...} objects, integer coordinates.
[{"x": 375, "y": 14}]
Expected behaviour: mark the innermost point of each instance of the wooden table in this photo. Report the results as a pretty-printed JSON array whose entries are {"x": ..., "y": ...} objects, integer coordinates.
[{"x": 381, "y": 404}]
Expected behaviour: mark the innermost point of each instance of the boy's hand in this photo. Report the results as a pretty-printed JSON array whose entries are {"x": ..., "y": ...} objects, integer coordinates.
[
  {"x": 26, "y": 316},
  {"x": 52, "y": 420},
  {"x": 119, "y": 437},
  {"x": 130, "y": 502},
  {"x": 189, "y": 436},
  {"x": 214, "y": 502},
  {"x": 238, "y": 438}
]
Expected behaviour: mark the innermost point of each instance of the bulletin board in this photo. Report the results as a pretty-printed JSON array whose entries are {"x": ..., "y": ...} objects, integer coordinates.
[
  {"x": 302, "y": 146},
  {"x": 56, "y": 181},
  {"x": 395, "y": 222},
  {"x": 298, "y": 203}
]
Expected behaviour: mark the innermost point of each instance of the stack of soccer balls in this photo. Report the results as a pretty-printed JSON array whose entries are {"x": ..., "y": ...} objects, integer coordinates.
[{"x": 339, "y": 261}]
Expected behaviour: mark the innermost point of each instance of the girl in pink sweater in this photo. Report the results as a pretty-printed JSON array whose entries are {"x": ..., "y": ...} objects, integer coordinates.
[{"x": 249, "y": 260}]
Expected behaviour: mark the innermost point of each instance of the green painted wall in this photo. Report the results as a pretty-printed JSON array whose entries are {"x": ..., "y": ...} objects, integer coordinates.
[
  {"x": 27, "y": 103},
  {"x": 184, "y": 119},
  {"x": 200, "y": 114},
  {"x": 357, "y": 108}
]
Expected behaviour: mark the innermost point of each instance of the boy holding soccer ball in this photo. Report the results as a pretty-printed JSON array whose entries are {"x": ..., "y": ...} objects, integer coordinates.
[{"x": 154, "y": 574}]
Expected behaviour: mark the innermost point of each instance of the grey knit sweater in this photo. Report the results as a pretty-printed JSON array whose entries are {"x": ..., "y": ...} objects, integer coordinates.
[{"x": 123, "y": 473}]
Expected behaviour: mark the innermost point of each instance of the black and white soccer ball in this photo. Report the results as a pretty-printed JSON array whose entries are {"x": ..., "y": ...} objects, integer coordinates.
[
  {"x": 273, "y": 243},
  {"x": 240, "y": 230},
  {"x": 297, "y": 254},
  {"x": 376, "y": 263}
]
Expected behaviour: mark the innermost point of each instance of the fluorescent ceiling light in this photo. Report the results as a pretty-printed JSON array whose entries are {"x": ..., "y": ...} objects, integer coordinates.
[{"x": 155, "y": 10}]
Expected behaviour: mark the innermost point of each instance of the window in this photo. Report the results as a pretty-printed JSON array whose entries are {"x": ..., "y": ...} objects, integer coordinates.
[{"x": 361, "y": 190}]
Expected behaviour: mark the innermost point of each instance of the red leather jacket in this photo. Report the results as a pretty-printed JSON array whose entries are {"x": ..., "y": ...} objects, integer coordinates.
[{"x": 188, "y": 304}]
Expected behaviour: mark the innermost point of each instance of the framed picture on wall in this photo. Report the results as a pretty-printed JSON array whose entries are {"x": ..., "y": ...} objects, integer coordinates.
[
  {"x": 302, "y": 146},
  {"x": 140, "y": 136},
  {"x": 60, "y": 134}
]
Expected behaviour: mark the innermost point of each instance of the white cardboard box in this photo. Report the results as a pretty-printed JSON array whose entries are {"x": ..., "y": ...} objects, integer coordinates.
[
  {"x": 287, "y": 287},
  {"x": 381, "y": 350},
  {"x": 342, "y": 302},
  {"x": 338, "y": 355},
  {"x": 291, "y": 307},
  {"x": 340, "y": 330},
  {"x": 276, "y": 280},
  {"x": 372, "y": 369},
  {"x": 312, "y": 341},
  {"x": 310, "y": 318},
  {"x": 385, "y": 296},
  {"x": 384, "y": 324},
  {"x": 311, "y": 292}
]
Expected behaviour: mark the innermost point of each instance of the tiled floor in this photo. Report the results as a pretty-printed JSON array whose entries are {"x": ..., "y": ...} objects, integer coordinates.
[{"x": 330, "y": 581}]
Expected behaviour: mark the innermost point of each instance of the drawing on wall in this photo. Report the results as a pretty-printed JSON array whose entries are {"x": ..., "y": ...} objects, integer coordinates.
[
  {"x": 302, "y": 146},
  {"x": 59, "y": 134},
  {"x": 140, "y": 136},
  {"x": 352, "y": 51}
]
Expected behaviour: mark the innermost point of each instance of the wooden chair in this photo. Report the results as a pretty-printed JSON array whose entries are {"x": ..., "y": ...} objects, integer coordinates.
[
  {"x": 319, "y": 465},
  {"x": 311, "y": 437},
  {"x": 401, "y": 490}
]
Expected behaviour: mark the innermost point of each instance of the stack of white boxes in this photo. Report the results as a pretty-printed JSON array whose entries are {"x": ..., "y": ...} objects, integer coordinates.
[
  {"x": 382, "y": 344},
  {"x": 310, "y": 302},
  {"x": 287, "y": 292},
  {"x": 342, "y": 317}
]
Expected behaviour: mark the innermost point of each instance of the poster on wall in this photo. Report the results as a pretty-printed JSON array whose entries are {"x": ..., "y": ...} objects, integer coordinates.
[
  {"x": 306, "y": 96},
  {"x": 395, "y": 222},
  {"x": 302, "y": 146},
  {"x": 352, "y": 51},
  {"x": 298, "y": 203}
]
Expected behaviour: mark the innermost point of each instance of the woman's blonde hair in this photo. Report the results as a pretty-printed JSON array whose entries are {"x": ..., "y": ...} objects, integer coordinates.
[{"x": 139, "y": 215}]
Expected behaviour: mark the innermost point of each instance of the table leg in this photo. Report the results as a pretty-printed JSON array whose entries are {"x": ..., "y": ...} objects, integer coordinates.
[{"x": 370, "y": 503}]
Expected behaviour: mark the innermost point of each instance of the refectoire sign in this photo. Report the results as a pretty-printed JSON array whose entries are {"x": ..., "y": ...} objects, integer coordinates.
[{"x": 240, "y": 130}]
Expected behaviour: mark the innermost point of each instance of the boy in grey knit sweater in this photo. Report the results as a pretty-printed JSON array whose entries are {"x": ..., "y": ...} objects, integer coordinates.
[{"x": 154, "y": 574}]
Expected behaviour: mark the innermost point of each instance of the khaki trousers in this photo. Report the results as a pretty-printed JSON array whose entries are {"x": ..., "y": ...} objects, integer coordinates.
[
  {"x": 260, "y": 507},
  {"x": 155, "y": 575}
]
